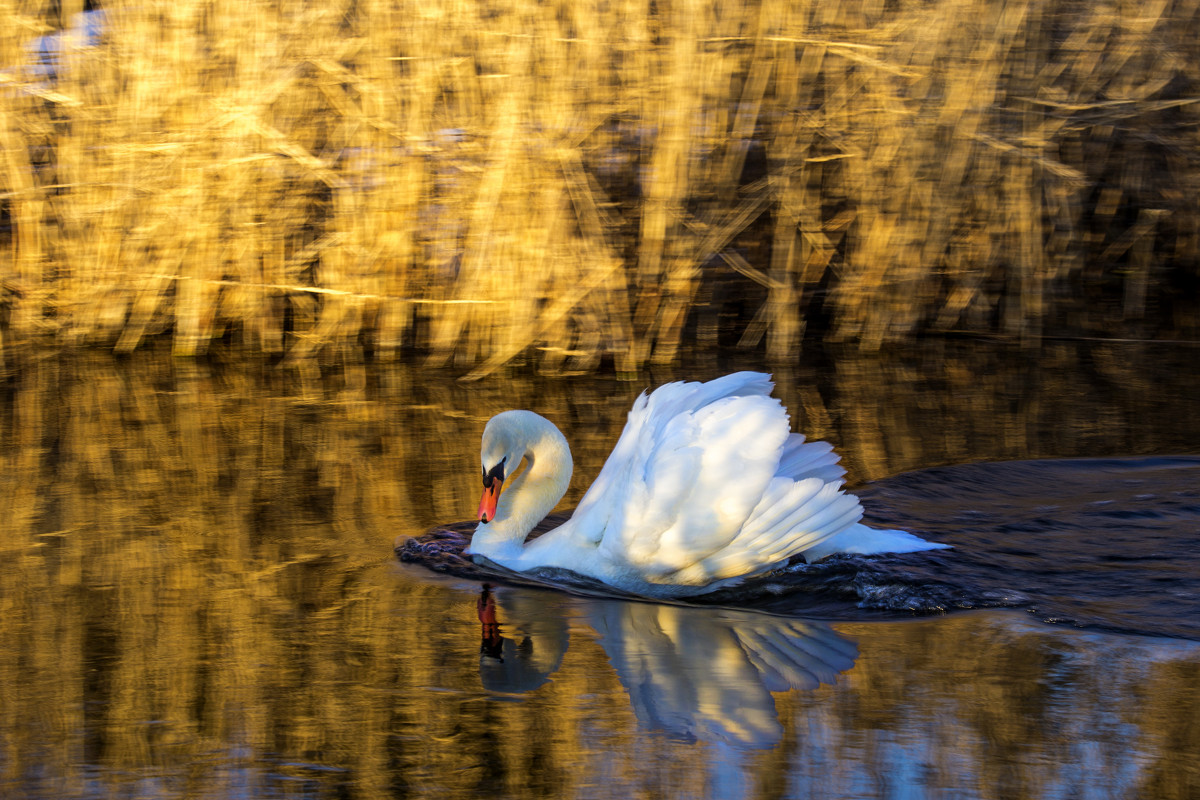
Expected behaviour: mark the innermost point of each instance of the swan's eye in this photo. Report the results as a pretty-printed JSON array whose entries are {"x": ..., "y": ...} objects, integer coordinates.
[{"x": 496, "y": 473}]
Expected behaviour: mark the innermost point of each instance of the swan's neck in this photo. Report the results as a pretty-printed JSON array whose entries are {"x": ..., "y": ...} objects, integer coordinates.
[{"x": 530, "y": 496}]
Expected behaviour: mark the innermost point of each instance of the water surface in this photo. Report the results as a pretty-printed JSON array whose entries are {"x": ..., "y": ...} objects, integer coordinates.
[{"x": 200, "y": 597}]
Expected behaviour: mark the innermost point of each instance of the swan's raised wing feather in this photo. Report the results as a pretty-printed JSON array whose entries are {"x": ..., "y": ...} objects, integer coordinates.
[
  {"x": 733, "y": 453},
  {"x": 689, "y": 468}
]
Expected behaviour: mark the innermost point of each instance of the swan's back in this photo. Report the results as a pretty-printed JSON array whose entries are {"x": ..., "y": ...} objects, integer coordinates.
[{"x": 707, "y": 484}]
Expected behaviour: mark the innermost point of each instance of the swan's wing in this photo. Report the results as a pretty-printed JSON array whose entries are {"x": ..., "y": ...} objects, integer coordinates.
[
  {"x": 690, "y": 466},
  {"x": 801, "y": 460}
]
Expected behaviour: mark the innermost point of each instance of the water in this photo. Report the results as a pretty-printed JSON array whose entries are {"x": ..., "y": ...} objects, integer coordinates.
[
  {"x": 1108, "y": 544},
  {"x": 730, "y": 703},
  {"x": 200, "y": 597}
]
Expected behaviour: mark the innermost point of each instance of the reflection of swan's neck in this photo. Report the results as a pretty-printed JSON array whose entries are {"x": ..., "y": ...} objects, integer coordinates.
[{"x": 529, "y": 497}]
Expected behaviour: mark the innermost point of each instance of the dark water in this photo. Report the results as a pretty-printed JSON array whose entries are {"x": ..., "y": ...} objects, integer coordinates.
[
  {"x": 1109, "y": 544},
  {"x": 200, "y": 598}
]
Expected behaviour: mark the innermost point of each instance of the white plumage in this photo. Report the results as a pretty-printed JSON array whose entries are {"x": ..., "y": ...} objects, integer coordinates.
[{"x": 705, "y": 487}]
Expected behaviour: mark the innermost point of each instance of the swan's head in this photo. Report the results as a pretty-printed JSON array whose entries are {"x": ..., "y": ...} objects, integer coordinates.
[{"x": 508, "y": 438}]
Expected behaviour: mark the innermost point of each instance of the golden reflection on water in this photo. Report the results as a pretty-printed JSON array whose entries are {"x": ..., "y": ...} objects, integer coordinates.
[{"x": 199, "y": 597}]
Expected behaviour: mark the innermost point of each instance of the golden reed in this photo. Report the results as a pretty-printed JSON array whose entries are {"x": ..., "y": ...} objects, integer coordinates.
[{"x": 574, "y": 183}]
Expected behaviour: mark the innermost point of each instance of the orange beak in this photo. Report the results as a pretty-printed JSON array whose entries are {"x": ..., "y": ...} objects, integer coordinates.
[{"x": 487, "y": 503}]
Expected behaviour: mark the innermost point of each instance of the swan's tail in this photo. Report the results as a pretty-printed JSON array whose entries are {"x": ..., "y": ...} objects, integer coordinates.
[{"x": 859, "y": 538}]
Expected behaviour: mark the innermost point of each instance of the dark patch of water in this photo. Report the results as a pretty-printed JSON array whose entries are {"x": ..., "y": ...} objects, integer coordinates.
[{"x": 1109, "y": 543}]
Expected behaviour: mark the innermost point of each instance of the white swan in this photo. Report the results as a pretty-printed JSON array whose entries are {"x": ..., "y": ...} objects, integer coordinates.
[{"x": 705, "y": 487}]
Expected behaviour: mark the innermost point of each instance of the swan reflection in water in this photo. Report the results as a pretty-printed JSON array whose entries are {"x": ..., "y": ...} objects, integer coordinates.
[
  {"x": 699, "y": 674},
  {"x": 524, "y": 660}
]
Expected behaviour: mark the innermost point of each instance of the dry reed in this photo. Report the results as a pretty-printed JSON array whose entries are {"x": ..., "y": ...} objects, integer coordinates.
[{"x": 572, "y": 182}]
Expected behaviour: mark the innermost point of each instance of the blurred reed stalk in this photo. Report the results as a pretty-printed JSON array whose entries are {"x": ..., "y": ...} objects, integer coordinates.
[{"x": 575, "y": 183}]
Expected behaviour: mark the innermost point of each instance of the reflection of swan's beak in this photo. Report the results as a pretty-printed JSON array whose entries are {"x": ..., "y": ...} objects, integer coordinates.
[
  {"x": 487, "y": 503},
  {"x": 524, "y": 655},
  {"x": 491, "y": 643}
]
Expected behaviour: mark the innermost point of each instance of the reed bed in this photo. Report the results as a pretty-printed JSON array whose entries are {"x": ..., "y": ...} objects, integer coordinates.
[{"x": 580, "y": 184}]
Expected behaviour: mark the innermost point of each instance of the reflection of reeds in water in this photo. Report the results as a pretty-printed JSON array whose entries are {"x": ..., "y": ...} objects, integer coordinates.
[
  {"x": 597, "y": 180},
  {"x": 198, "y": 579}
]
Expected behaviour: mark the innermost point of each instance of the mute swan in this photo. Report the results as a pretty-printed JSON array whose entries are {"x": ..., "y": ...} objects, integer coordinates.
[{"x": 705, "y": 487}]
